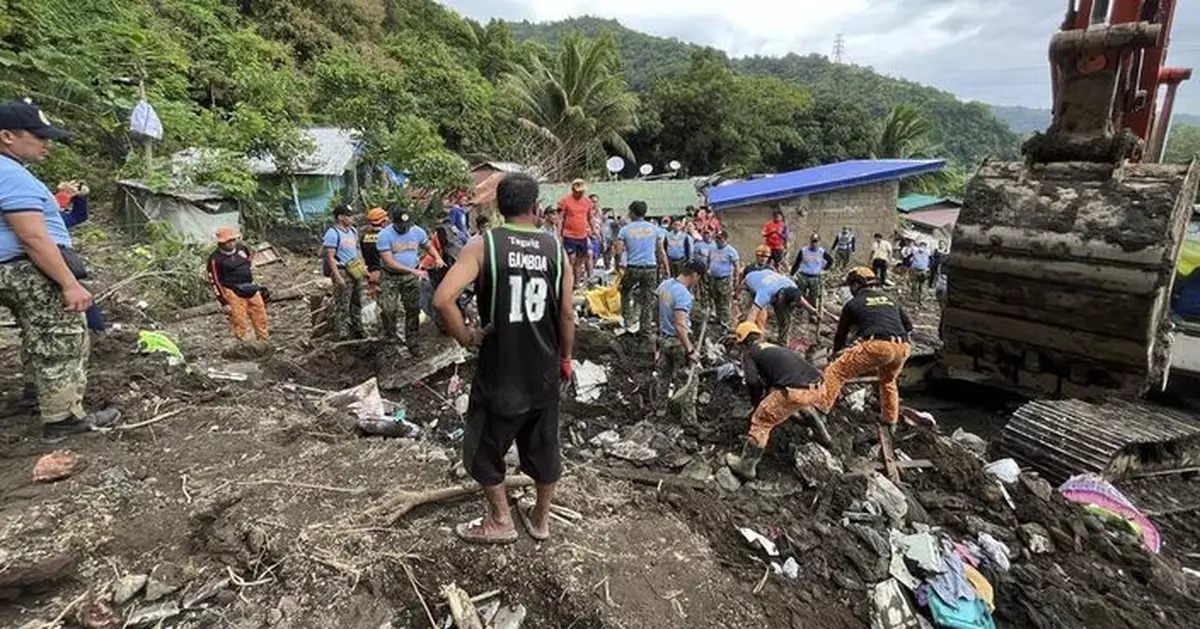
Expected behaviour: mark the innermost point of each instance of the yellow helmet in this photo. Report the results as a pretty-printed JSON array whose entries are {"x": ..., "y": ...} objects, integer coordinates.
[
  {"x": 746, "y": 328},
  {"x": 762, "y": 250},
  {"x": 860, "y": 273}
]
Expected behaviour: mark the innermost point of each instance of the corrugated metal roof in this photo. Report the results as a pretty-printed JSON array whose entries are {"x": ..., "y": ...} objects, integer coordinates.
[
  {"x": 333, "y": 152},
  {"x": 819, "y": 179},
  {"x": 935, "y": 218},
  {"x": 911, "y": 202},
  {"x": 504, "y": 167},
  {"x": 663, "y": 197}
]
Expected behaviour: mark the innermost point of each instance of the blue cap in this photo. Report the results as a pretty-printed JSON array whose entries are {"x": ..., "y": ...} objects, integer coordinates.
[{"x": 25, "y": 116}]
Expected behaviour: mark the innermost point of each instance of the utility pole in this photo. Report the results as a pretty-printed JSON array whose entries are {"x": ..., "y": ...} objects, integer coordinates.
[{"x": 839, "y": 48}]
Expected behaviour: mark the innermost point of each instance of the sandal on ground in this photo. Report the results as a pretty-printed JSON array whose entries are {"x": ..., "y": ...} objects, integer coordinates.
[
  {"x": 473, "y": 533},
  {"x": 525, "y": 513}
]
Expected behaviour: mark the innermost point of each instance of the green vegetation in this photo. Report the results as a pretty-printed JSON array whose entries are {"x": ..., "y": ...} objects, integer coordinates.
[
  {"x": 1183, "y": 144},
  {"x": 431, "y": 91}
]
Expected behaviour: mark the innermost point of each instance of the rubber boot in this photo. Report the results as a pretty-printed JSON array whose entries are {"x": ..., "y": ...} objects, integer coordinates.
[{"x": 745, "y": 466}]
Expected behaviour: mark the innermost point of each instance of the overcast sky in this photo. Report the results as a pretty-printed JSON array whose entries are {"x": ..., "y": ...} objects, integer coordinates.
[{"x": 988, "y": 50}]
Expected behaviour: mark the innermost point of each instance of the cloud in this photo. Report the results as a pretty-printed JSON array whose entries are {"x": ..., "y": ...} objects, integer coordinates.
[{"x": 983, "y": 50}]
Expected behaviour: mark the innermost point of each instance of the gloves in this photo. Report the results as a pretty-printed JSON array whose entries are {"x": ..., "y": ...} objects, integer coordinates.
[{"x": 565, "y": 368}]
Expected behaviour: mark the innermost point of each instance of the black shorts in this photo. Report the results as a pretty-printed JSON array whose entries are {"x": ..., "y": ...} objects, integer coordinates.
[
  {"x": 777, "y": 256},
  {"x": 576, "y": 246},
  {"x": 488, "y": 437}
]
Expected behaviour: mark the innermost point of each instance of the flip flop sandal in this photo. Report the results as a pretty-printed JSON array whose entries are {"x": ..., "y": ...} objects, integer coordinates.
[
  {"x": 523, "y": 511},
  {"x": 472, "y": 533}
]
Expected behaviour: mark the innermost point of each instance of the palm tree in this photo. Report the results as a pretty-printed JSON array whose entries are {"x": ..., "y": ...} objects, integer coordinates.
[
  {"x": 578, "y": 103},
  {"x": 904, "y": 134}
]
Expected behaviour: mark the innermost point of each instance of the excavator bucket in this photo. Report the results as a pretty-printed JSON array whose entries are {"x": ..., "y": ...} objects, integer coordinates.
[{"x": 1060, "y": 276}]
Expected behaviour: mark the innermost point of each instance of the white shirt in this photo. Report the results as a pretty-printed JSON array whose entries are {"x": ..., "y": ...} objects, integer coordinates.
[{"x": 881, "y": 250}]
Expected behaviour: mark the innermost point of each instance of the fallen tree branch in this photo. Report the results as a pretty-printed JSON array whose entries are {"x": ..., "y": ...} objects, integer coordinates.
[
  {"x": 287, "y": 483},
  {"x": 398, "y": 503},
  {"x": 421, "y": 597},
  {"x": 57, "y": 622},
  {"x": 152, "y": 420},
  {"x": 131, "y": 279},
  {"x": 293, "y": 292},
  {"x": 654, "y": 479},
  {"x": 461, "y": 607}
]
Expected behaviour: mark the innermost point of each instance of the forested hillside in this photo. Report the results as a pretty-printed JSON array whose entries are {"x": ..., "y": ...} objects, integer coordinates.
[{"x": 966, "y": 131}]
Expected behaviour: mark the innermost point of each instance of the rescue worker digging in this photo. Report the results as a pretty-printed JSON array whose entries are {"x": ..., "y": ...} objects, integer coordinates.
[
  {"x": 231, "y": 277},
  {"x": 778, "y": 291},
  {"x": 676, "y": 348},
  {"x": 525, "y": 305},
  {"x": 881, "y": 344},
  {"x": 781, "y": 383},
  {"x": 400, "y": 248}
]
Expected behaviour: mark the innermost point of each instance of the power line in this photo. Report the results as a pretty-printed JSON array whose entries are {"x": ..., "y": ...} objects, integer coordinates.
[{"x": 839, "y": 48}]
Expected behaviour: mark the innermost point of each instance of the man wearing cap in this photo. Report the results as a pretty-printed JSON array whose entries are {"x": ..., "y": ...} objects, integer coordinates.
[
  {"x": 232, "y": 280},
  {"x": 551, "y": 223},
  {"x": 781, "y": 383},
  {"x": 723, "y": 263},
  {"x": 343, "y": 263},
  {"x": 775, "y": 236},
  {"x": 39, "y": 279},
  {"x": 377, "y": 219},
  {"x": 576, "y": 211},
  {"x": 400, "y": 247},
  {"x": 880, "y": 348},
  {"x": 644, "y": 258},
  {"x": 676, "y": 349},
  {"x": 844, "y": 245},
  {"x": 679, "y": 247},
  {"x": 809, "y": 267},
  {"x": 778, "y": 291}
]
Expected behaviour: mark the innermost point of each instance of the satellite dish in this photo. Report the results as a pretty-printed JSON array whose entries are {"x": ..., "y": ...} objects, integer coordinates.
[
  {"x": 615, "y": 164},
  {"x": 675, "y": 165},
  {"x": 646, "y": 169}
]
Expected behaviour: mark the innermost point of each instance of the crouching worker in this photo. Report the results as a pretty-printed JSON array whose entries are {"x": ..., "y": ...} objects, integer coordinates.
[
  {"x": 523, "y": 282},
  {"x": 779, "y": 291},
  {"x": 881, "y": 344},
  {"x": 781, "y": 384},
  {"x": 676, "y": 347},
  {"x": 232, "y": 279}
]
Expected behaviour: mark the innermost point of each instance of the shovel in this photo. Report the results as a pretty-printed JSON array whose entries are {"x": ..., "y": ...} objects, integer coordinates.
[{"x": 689, "y": 389}]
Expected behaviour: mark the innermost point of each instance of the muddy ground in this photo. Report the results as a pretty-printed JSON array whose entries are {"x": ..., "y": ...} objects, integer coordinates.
[{"x": 255, "y": 489}]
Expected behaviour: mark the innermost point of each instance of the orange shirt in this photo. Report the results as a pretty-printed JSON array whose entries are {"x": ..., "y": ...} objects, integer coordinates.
[{"x": 576, "y": 216}]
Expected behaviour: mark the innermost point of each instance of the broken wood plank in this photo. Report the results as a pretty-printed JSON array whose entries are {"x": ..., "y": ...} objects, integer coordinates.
[
  {"x": 447, "y": 354},
  {"x": 17, "y": 577}
]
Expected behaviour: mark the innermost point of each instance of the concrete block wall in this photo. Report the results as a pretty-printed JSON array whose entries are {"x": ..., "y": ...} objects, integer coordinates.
[{"x": 865, "y": 209}]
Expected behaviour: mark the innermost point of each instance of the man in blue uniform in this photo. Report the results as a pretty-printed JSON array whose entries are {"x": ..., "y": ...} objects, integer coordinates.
[
  {"x": 679, "y": 247},
  {"x": 723, "y": 263},
  {"x": 39, "y": 279},
  {"x": 343, "y": 263},
  {"x": 808, "y": 269},
  {"x": 523, "y": 283},
  {"x": 401, "y": 246},
  {"x": 644, "y": 257},
  {"x": 780, "y": 293},
  {"x": 676, "y": 347}
]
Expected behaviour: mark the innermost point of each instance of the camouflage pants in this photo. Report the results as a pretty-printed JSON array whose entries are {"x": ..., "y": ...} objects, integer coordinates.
[
  {"x": 720, "y": 291},
  {"x": 54, "y": 342},
  {"x": 347, "y": 308},
  {"x": 783, "y": 321},
  {"x": 672, "y": 368},
  {"x": 399, "y": 295},
  {"x": 917, "y": 281},
  {"x": 810, "y": 288},
  {"x": 637, "y": 287}
]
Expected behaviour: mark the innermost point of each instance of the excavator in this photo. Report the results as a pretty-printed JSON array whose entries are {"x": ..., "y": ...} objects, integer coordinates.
[{"x": 1061, "y": 275}]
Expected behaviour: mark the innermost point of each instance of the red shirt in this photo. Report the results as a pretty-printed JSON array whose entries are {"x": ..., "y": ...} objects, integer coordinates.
[
  {"x": 576, "y": 215},
  {"x": 710, "y": 225},
  {"x": 773, "y": 233}
]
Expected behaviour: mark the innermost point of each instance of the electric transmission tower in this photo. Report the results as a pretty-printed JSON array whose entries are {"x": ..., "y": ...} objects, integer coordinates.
[{"x": 839, "y": 48}]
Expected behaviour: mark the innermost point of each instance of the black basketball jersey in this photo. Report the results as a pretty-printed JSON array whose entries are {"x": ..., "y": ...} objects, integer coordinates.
[{"x": 519, "y": 292}]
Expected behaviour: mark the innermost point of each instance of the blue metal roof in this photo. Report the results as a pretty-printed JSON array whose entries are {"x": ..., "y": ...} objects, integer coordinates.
[{"x": 860, "y": 172}]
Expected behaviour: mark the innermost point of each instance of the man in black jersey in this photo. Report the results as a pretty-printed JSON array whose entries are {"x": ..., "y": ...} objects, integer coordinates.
[
  {"x": 880, "y": 348},
  {"x": 523, "y": 285}
]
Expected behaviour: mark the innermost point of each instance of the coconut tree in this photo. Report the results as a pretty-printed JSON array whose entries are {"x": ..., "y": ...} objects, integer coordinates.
[
  {"x": 905, "y": 134},
  {"x": 576, "y": 102}
]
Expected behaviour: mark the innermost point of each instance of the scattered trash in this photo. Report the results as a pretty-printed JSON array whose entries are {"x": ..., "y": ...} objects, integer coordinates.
[
  {"x": 995, "y": 551},
  {"x": 217, "y": 374},
  {"x": 983, "y": 589},
  {"x": 157, "y": 342},
  {"x": 1037, "y": 539},
  {"x": 922, "y": 548},
  {"x": 1005, "y": 470},
  {"x": 153, "y": 614},
  {"x": 96, "y": 613},
  {"x": 890, "y": 608},
  {"x": 726, "y": 480},
  {"x": 1100, "y": 498},
  {"x": 461, "y": 404},
  {"x": 127, "y": 587},
  {"x": 758, "y": 540},
  {"x": 971, "y": 441},
  {"x": 815, "y": 465},
  {"x": 726, "y": 371},
  {"x": 913, "y": 417},
  {"x": 454, "y": 385},
  {"x": 209, "y": 590},
  {"x": 56, "y": 466},
  {"x": 364, "y": 402},
  {"x": 789, "y": 568},
  {"x": 884, "y": 493},
  {"x": 590, "y": 378},
  {"x": 508, "y": 617},
  {"x": 896, "y": 567},
  {"x": 969, "y": 614},
  {"x": 857, "y": 400}
]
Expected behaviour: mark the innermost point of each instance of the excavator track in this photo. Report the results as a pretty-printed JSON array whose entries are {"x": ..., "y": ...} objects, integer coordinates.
[{"x": 1060, "y": 278}]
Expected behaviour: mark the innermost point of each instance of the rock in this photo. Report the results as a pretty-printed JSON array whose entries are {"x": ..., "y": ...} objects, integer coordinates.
[
  {"x": 56, "y": 466},
  {"x": 889, "y": 497},
  {"x": 209, "y": 590},
  {"x": 631, "y": 451},
  {"x": 509, "y": 617},
  {"x": 153, "y": 614},
  {"x": 726, "y": 480},
  {"x": 511, "y": 457},
  {"x": 971, "y": 441},
  {"x": 164, "y": 579},
  {"x": 1036, "y": 538},
  {"x": 704, "y": 398},
  {"x": 274, "y": 616},
  {"x": 815, "y": 465},
  {"x": 437, "y": 455},
  {"x": 872, "y": 539},
  {"x": 288, "y": 605},
  {"x": 127, "y": 587},
  {"x": 602, "y": 439},
  {"x": 676, "y": 461},
  {"x": 1037, "y": 485},
  {"x": 698, "y": 469}
]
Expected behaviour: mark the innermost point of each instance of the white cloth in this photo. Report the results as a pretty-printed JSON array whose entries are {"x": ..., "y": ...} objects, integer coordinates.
[
  {"x": 144, "y": 120},
  {"x": 881, "y": 250}
]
